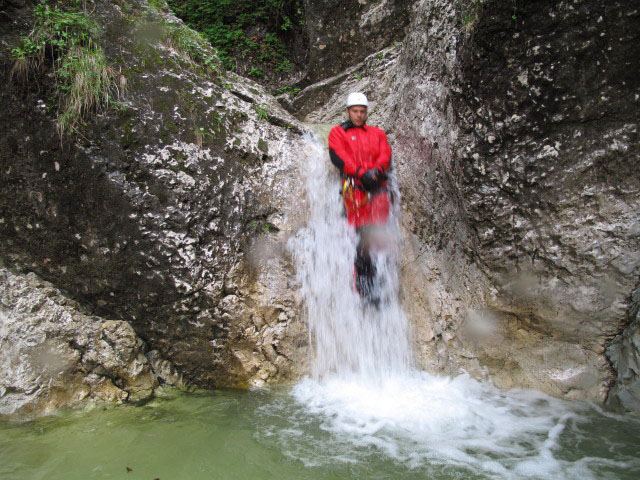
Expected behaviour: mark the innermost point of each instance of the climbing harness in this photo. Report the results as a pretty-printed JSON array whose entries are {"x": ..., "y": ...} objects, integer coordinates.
[{"x": 348, "y": 193}]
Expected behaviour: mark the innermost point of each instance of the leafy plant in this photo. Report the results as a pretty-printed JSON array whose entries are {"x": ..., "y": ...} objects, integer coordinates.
[
  {"x": 65, "y": 37},
  {"x": 284, "y": 66},
  {"x": 192, "y": 45},
  {"x": 256, "y": 73},
  {"x": 158, "y": 4},
  {"x": 265, "y": 227},
  {"x": 249, "y": 36},
  {"x": 262, "y": 113},
  {"x": 288, "y": 89}
]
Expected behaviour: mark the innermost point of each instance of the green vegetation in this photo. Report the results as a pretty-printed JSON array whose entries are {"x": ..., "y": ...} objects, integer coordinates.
[
  {"x": 201, "y": 135},
  {"x": 288, "y": 89},
  {"x": 249, "y": 36},
  {"x": 262, "y": 227},
  {"x": 262, "y": 113},
  {"x": 158, "y": 4},
  {"x": 256, "y": 72},
  {"x": 468, "y": 11},
  {"x": 192, "y": 45},
  {"x": 152, "y": 23},
  {"x": 64, "y": 39}
]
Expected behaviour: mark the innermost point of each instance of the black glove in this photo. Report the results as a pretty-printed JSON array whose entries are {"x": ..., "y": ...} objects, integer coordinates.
[{"x": 371, "y": 179}]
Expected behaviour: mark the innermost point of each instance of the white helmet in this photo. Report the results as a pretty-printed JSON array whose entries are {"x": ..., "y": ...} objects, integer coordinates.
[{"x": 357, "y": 98}]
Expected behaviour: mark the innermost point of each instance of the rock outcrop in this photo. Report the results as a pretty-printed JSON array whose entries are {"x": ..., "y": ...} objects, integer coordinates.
[
  {"x": 515, "y": 137},
  {"x": 54, "y": 355},
  {"x": 148, "y": 212}
]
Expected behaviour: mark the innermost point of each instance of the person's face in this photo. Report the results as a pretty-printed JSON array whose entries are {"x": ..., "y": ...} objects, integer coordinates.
[{"x": 357, "y": 115}]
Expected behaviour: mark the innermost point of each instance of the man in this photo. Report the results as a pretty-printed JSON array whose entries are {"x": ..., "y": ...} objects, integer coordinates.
[{"x": 363, "y": 155}]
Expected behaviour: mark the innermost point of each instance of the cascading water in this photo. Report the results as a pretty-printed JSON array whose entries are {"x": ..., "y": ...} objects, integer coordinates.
[
  {"x": 350, "y": 338},
  {"x": 365, "y": 391}
]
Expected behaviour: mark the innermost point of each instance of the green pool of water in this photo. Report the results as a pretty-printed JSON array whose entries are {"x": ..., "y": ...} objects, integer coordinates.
[{"x": 252, "y": 435}]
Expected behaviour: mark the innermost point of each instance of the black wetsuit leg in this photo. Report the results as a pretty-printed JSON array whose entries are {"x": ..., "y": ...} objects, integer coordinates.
[{"x": 365, "y": 269}]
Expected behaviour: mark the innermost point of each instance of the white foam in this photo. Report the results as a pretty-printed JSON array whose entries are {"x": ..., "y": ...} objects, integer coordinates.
[
  {"x": 434, "y": 425},
  {"x": 364, "y": 393}
]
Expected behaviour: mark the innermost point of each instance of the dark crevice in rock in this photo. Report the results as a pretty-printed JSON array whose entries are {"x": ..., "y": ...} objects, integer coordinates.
[
  {"x": 279, "y": 122},
  {"x": 242, "y": 96},
  {"x": 623, "y": 355}
]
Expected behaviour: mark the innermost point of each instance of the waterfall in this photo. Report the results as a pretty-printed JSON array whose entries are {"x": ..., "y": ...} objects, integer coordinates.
[
  {"x": 349, "y": 337},
  {"x": 364, "y": 389}
]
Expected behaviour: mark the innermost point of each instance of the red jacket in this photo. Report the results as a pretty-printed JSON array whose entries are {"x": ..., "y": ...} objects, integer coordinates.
[{"x": 354, "y": 150}]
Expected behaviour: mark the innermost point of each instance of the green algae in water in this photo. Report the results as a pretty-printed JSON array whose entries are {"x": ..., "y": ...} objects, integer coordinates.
[{"x": 262, "y": 434}]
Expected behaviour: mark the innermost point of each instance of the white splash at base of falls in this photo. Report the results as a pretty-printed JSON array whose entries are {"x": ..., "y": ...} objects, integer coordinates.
[{"x": 365, "y": 392}]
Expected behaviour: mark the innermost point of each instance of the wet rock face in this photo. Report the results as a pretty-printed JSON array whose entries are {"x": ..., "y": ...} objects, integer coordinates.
[
  {"x": 148, "y": 213},
  {"x": 53, "y": 355},
  {"x": 515, "y": 136},
  {"x": 537, "y": 120},
  {"x": 341, "y": 34},
  {"x": 548, "y": 175},
  {"x": 624, "y": 353}
]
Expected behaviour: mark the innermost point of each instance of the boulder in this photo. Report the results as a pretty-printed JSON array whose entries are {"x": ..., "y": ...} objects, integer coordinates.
[{"x": 54, "y": 354}]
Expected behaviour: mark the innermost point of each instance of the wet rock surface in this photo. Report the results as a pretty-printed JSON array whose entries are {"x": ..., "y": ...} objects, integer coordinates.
[
  {"x": 624, "y": 354},
  {"x": 342, "y": 33},
  {"x": 53, "y": 354},
  {"x": 148, "y": 213},
  {"x": 515, "y": 137}
]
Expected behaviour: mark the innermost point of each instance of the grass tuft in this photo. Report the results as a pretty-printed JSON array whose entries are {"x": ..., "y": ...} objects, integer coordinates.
[
  {"x": 64, "y": 38},
  {"x": 89, "y": 84},
  {"x": 468, "y": 12}
]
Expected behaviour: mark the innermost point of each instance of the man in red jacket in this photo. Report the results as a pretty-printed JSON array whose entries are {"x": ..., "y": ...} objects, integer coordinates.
[{"x": 363, "y": 155}]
